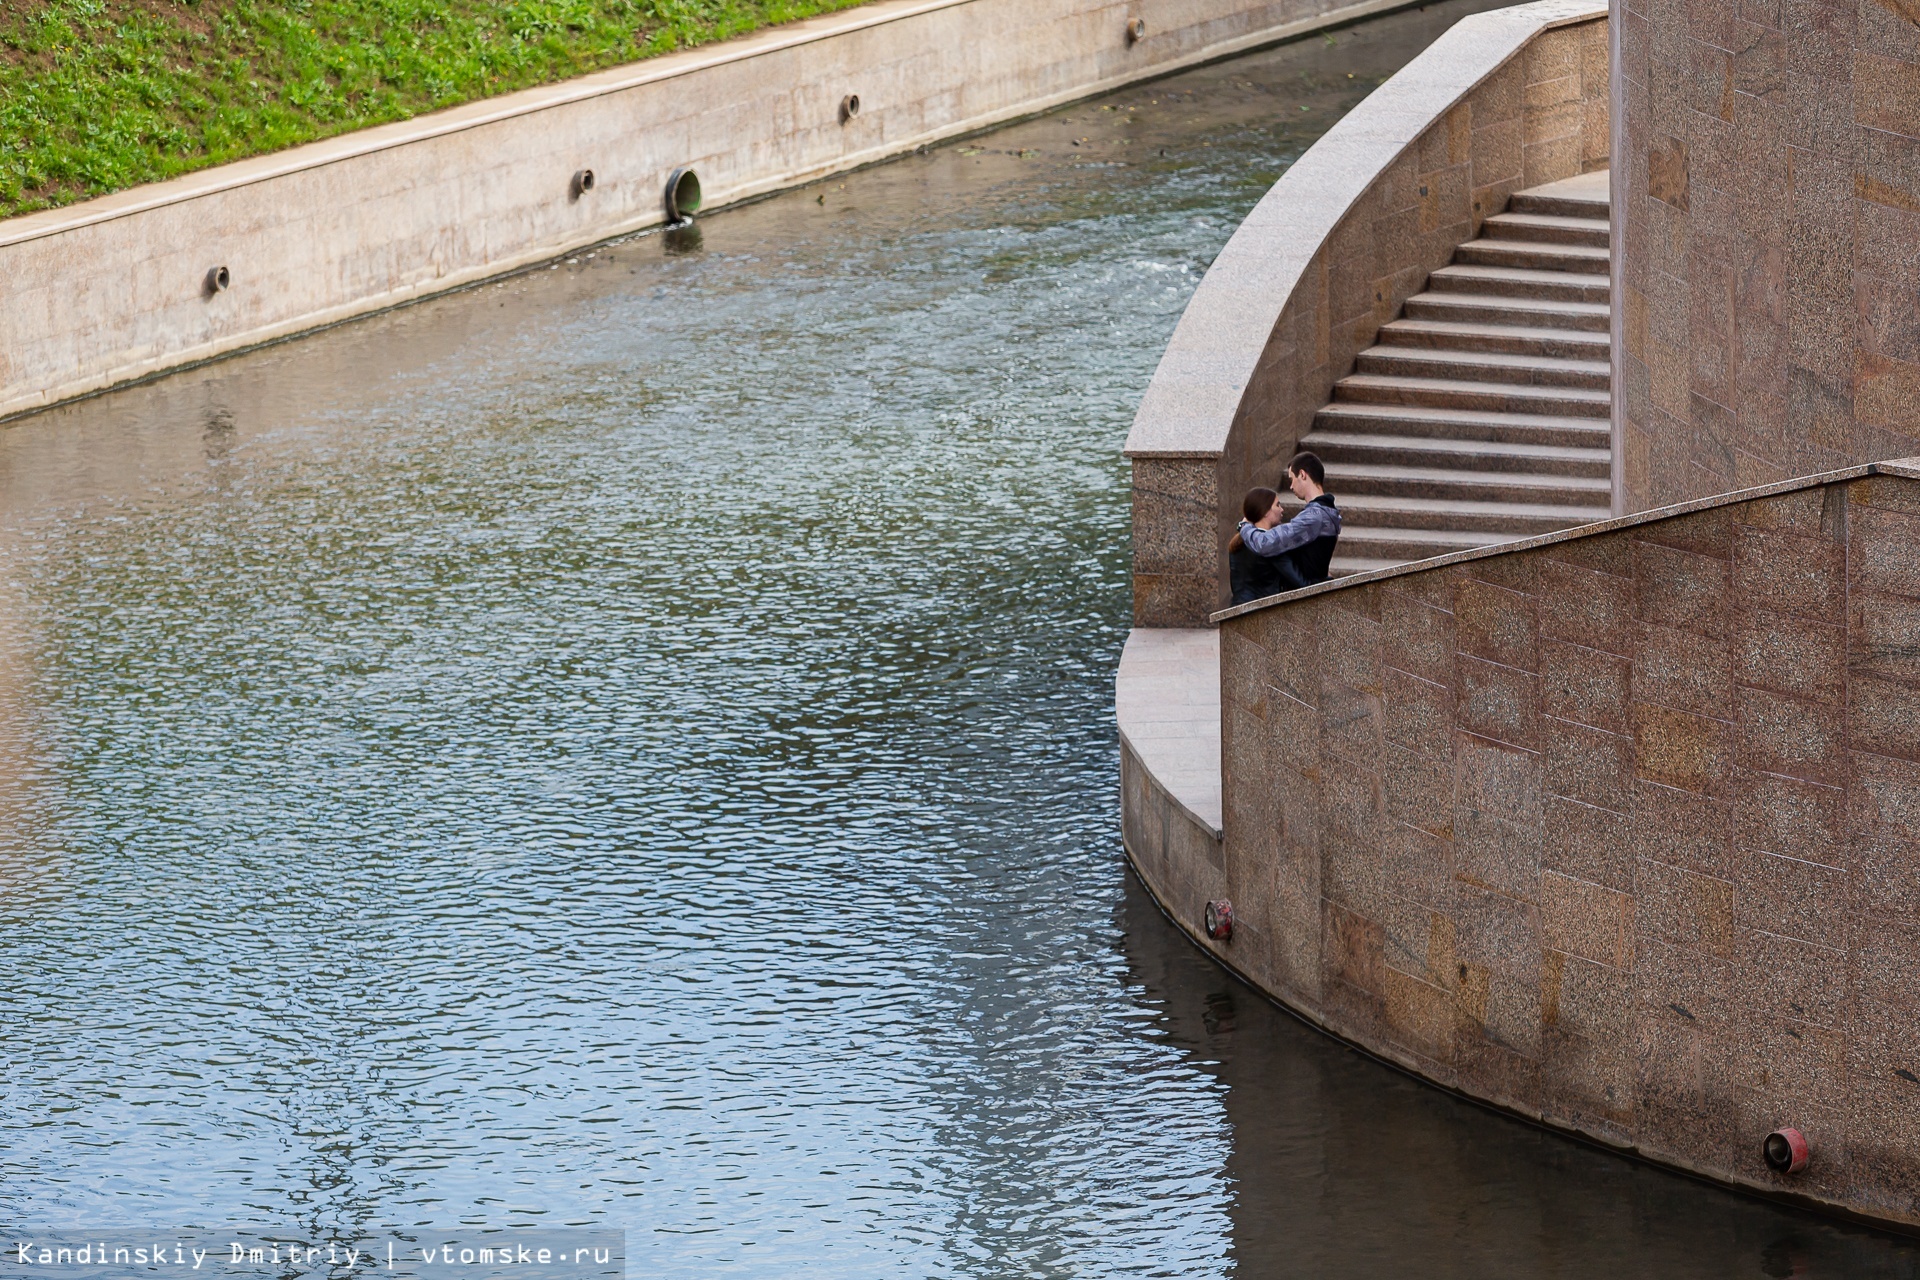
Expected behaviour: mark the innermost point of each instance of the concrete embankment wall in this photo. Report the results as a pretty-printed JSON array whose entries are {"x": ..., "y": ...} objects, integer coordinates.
[
  {"x": 1618, "y": 829},
  {"x": 1507, "y": 99},
  {"x": 1767, "y": 201},
  {"x": 113, "y": 289}
]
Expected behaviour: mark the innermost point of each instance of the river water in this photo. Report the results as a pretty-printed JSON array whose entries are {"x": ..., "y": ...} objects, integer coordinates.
[{"x": 632, "y": 746}]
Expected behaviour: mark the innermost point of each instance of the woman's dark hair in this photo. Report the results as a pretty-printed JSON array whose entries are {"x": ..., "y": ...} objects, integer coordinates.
[
  {"x": 1309, "y": 463},
  {"x": 1257, "y": 503}
]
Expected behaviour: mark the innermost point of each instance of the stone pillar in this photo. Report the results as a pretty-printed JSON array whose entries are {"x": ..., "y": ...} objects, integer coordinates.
[{"x": 1768, "y": 201}]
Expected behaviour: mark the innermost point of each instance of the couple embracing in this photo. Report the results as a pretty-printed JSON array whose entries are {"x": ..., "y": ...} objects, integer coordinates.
[{"x": 1272, "y": 554}]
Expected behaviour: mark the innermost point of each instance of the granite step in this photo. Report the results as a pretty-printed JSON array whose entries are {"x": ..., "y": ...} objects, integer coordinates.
[
  {"x": 1507, "y": 339},
  {"x": 1346, "y": 566},
  {"x": 1548, "y": 228},
  {"x": 1342, "y": 448},
  {"x": 1565, "y": 199},
  {"x": 1448, "y": 393},
  {"x": 1519, "y": 282},
  {"x": 1532, "y": 256},
  {"x": 1512, "y": 519},
  {"x": 1396, "y": 546},
  {"x": 1450, "y": 484},
  {"x": 1492, "y": 309},
  {"x": 1485, "y": 366},
  {"x": 1482, "y": 413},
  {"x": 1428, "y": 422},
  {"x": 1412, "y": 544},
  {"x": 1558, "y": 206}
]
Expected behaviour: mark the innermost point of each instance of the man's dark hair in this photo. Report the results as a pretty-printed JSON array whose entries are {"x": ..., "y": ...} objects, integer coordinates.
[
  {"x": 1309, "y": 463},
  {"x": 1257, "y": 503}
]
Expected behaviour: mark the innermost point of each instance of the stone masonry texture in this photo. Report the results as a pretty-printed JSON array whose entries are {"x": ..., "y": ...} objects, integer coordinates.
[
  {"x": 1620, "y": 831},
  {"x": 1767, "y": 197}
]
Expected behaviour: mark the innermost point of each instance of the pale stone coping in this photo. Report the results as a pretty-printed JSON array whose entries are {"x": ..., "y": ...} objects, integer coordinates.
[
  {"x": 472, "y": 115},
  {"x": 1167, "y": 702},
  {"x": 1907, "y": 468},
  {"x": 1597, "y": 185},
  {"x": 1189, "y": 408}
]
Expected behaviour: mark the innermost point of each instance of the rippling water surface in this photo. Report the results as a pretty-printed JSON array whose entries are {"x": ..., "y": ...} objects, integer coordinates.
[{"x": 632, "y": 746}]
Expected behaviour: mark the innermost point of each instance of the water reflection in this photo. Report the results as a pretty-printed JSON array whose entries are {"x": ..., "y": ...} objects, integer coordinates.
[
  {"x": 1342, "y": 1167},
  {"x": 631, "y": 745}
]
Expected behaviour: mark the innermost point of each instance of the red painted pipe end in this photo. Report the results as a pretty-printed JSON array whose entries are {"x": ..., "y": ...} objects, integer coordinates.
[
  {"x": 1220, "y": 920},
  {"x": 1786, "y": 1151}
]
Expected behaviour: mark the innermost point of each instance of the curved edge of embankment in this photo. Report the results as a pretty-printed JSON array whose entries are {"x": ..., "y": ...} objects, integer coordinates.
[{"x": 114, "y": 290}]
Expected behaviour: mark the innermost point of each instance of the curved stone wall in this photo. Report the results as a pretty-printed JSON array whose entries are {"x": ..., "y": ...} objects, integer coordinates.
[
  {"x": 1617, "y": 828},
  {"x": 1505, "y": 99},
  {"x": 1767, "y": 196}
]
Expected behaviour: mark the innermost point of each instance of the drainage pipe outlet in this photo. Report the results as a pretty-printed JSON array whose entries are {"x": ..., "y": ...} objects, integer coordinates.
[
  {"x": 1220, "y": 920},
  {"x": 1136, "y": 30},
  {"x": 1786, "y": 1151},
  {"x": 849, "y": 107},
  {"x": 581, "y": 183},
  {"x": 683, "y": 195},
  {"x": 218, "y": 280}
]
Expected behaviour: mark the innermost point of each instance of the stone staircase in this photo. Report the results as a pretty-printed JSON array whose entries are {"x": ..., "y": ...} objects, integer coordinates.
[{"x": 1483, "y": 414}]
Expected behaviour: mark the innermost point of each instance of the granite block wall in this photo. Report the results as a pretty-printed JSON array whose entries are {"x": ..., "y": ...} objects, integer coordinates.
[
  {"x": 1619, "y": 830},
  {"x": 1504, "y": 100},
  {"x": 1767, "y": 201}
]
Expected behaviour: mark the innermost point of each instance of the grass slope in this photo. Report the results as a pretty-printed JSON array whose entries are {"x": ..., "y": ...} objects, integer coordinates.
[{"x": 97, "y": 95}]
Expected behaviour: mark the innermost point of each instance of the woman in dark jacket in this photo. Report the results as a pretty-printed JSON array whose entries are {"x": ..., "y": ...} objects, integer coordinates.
[{"x": 1252, "y": 576}]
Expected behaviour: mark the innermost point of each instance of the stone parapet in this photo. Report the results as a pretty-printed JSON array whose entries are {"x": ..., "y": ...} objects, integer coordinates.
[
  {"x": 1505, "y": 99},
  {"x": 115, "y": 289},
  {"x": 1616, "y": 828}
]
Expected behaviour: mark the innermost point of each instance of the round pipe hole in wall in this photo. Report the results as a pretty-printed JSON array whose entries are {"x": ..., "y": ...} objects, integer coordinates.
[
  {"x": 580, "y": 184},
  {"x": 1219, "y": 920},
  {"x": 849, "y": 107},
  {"x": 1136, "y": 30},
  {"x": 683, "y": 195},
  {"x": 218, "y": 280}
]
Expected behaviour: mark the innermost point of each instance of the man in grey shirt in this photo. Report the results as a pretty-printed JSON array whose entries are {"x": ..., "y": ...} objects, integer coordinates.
[{"x": 1300, "y": 548}]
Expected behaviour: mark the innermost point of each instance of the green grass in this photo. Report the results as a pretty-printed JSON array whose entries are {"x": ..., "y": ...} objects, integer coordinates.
[{"x": 97, "y": 95}]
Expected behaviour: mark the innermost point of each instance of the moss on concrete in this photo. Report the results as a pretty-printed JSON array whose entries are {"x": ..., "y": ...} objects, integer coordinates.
[{"x": 97, "y": 95}]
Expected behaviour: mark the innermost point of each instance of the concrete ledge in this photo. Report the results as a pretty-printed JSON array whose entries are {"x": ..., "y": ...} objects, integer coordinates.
[
  {"x": 1506, "y": 99},
  {"x": 1167, "y": 702},
  {"x": 110, "y": 291}
]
